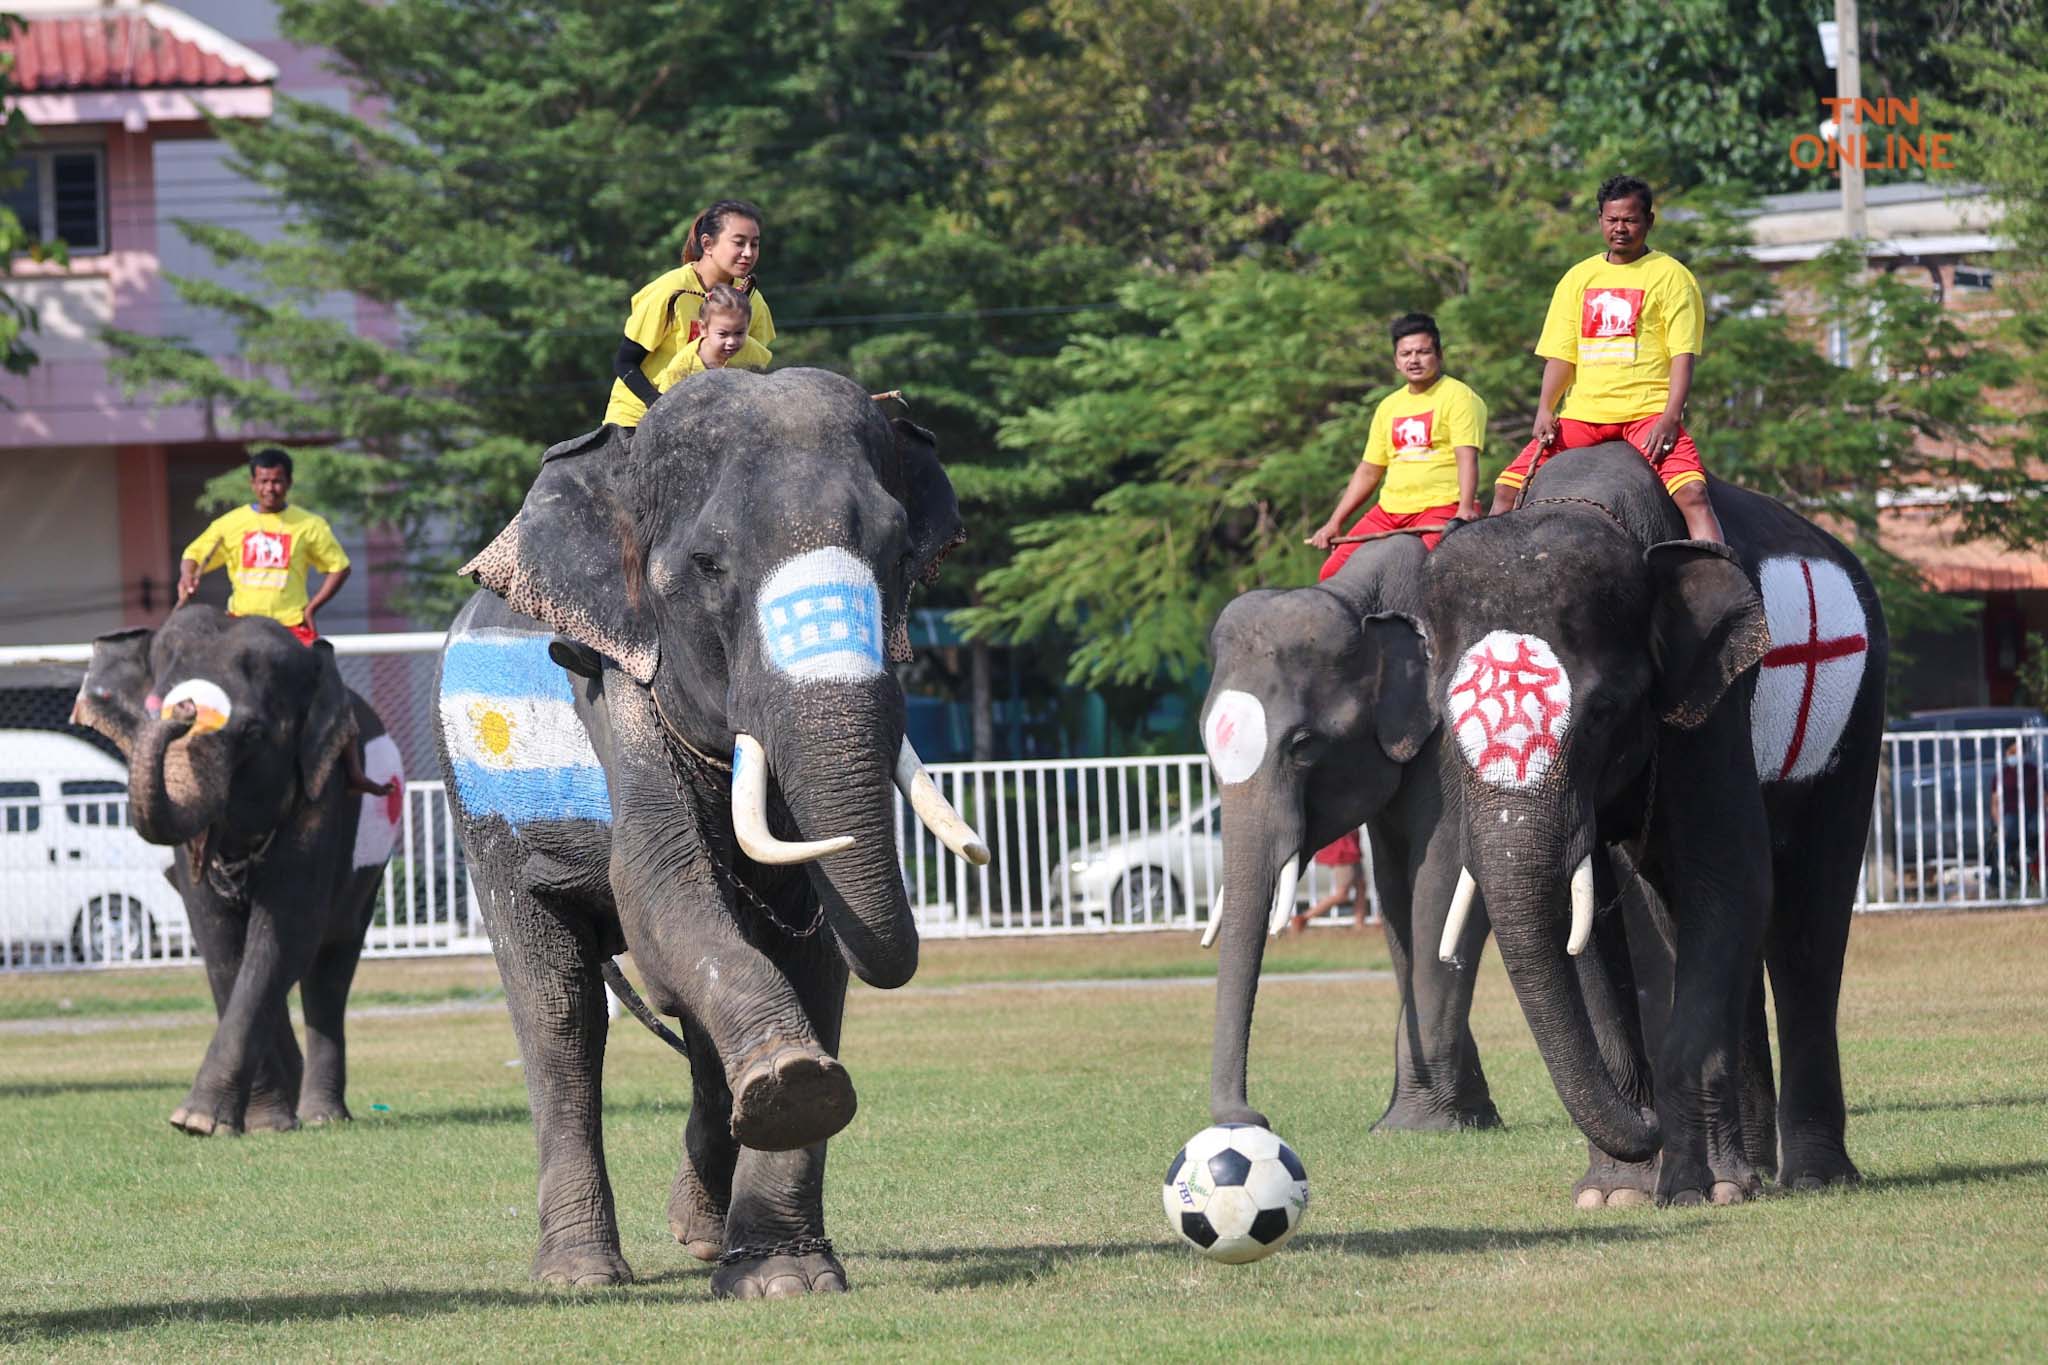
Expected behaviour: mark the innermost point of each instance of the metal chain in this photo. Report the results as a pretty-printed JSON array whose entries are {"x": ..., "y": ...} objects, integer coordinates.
[
  {"x": 726, "y": 874},
  {"x": 230, "y": 880},
  {"x": 795, "y": 1246},
  {"x": 1605, "y": 510}
]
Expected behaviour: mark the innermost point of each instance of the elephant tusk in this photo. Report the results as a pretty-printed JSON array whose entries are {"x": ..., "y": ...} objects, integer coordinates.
[
  {"x": 934, "y": 810},
  {"x": 1283, "y": 895},
  {"x": 1215, "y": 922},
  {"x": 750, "y": 812},
  {"x": 1454, "y": 923},
  {"x": 1582, "y": 907}
]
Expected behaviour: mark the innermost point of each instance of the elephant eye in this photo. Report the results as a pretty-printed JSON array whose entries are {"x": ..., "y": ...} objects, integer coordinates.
[{"x": 706, "y": 563}]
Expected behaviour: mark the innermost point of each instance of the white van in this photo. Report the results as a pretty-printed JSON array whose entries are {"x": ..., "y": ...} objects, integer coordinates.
[{"x": 77, "y": 884}]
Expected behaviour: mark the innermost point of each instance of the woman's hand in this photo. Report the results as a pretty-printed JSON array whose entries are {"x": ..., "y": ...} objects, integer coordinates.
[{"x": 1325, "y": 533}]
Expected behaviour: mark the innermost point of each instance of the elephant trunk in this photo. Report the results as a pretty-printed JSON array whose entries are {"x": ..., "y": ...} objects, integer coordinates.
[
  {"x": 168, "y": 780},
  {"x": 833, "y": 757},
  {"x": 1522, "y": 874},
  {"x": 1259, "y": 844}
]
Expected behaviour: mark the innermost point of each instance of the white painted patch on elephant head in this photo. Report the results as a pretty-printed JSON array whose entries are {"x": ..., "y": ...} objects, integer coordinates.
[
  {"x": 821, "y": 617},
  {"x": 1509, "y": 704},
  {"x": 209, "y": 703},
  {"x": 1235, "y": 735}
]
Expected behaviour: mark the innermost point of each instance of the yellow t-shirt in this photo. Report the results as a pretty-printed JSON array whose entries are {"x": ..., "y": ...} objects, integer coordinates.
[
  {"x": 1619, "y": 325},
  {"x": 752, "y": 355},
  {"x": 267, "y": 555},
  {"x": 663, "y": 334},
  {"x": 1416, "y": 436}
]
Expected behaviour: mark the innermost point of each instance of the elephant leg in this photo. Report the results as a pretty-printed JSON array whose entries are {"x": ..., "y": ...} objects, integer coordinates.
[
  {"x": 1804, "y": 949},
  {"x": 702, "y": 1192},
  {"x": 547, "y": 958},
  {"x": 775, "y": 1227},
  {"x": 1759, "y": 1092},
  {"x": 278, "y": 1072},
  {"x": 251, "y": 1033},
  {"x": 1439, "y": 1085},
  {"x": 1613, "y": 1001},
  {"x": 323, "y": 1096},
  {"x": 1713, "y": 812}
]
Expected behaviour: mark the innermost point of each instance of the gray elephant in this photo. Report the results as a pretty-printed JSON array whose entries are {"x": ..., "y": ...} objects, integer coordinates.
[
  {"x": 1317, "y": 721},
  {"x": 1718, "y": 712},
  {"x": 235, "y": 735},
  {"x": 701, "y": 767}
]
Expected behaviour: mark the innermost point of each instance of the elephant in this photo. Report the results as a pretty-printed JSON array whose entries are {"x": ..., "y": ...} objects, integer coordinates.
[
  {"x": 1717, "y": 712},
  {"x": 234, "y": 734},
  {"x": 1317, "y": 721},
  {"x": 676, "y": 735}
]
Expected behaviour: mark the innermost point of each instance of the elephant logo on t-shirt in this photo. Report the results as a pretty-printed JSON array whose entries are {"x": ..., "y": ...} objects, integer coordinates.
[
  {"x": 1412, "y": 433},
  {"x": 267, "y": 550},
  {"x": 1611, "y": 313}
]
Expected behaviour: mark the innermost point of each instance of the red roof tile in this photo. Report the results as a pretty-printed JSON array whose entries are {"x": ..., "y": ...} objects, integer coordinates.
[{"x": 114, "y": 50}]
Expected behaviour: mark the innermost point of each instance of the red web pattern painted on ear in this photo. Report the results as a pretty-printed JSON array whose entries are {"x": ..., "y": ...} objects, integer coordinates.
[{"x": 1509, "y": 705}]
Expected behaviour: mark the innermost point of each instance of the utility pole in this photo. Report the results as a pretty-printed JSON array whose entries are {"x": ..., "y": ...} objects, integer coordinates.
[{"x": 1849, "y": 88}]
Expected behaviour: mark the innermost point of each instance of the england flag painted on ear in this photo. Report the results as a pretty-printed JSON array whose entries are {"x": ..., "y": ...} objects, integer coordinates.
[{"x": 515, "y": 743}]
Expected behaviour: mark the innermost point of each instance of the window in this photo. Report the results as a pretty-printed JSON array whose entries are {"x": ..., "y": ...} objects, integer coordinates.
[
  {"x": 95, "y": 812},
  {"x": 19, "y": 813},
  {"x": 62, "y": 194}
]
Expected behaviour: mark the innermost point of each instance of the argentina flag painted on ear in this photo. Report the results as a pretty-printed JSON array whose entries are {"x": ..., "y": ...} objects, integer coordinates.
[{"x": 821, "y": 618}]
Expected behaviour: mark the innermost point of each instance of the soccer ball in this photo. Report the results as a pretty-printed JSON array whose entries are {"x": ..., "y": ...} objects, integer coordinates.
[{"x": 1235, "y": 1193}]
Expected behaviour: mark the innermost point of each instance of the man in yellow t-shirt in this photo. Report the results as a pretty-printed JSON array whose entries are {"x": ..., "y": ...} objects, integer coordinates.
[
  {"x": 267, "y": 548},
  {"x": 1425, "y": 441},
  {"x": 1623, "y": 332}
]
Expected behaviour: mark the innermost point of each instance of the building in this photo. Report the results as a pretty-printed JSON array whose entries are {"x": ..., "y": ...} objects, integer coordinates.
[
  {"x": 1944, "y": 237},
  {"x": 102, "y": 487}
]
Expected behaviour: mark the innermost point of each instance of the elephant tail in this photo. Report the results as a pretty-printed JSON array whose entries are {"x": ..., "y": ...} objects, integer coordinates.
[{"x": 637, "y": 1007}]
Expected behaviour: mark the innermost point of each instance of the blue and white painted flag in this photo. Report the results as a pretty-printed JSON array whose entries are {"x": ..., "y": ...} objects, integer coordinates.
[
  {"x": 518, "y": 749},
  {"x": 821, "y": 617}
]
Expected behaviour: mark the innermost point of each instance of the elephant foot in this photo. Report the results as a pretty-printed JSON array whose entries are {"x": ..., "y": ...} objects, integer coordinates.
[
  {"x": 1689, "y": 1182},
  {"x": 1419, "y": 1116},
  {"x": 269, "y": 1115},
  {"x": 1613, "y": 1184},
  {"x": 697, "y": 1222},
  {"x": 581, "y": 1268},
  {"x": 790, "y": 1097},
  {"x": 1808, "y": 1173},
  {"x": 780, "y": 1276},
  {"x": 325, "y": 1111},
  {"x": 1228, "y": 1114},
  {"x": 203, "y": 1122}
]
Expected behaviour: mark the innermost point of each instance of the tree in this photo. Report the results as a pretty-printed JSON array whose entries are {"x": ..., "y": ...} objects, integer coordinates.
[
  {"x": 530, "y": 168},
  {"x": 17, "y": 319}
]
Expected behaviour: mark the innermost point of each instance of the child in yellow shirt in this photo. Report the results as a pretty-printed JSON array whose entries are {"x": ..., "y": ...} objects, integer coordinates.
[{"x": 720, "y": 337}]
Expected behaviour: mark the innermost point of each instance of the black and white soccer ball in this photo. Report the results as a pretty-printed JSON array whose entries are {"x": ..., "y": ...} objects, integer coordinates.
[{"x": 1235, "y": 1193}]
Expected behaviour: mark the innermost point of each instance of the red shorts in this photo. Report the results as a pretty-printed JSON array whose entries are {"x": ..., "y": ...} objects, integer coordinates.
[
  {"x": 1379, "y": 519},
  {"x": 1343, "y": 850},
  {"x": 301, "y": 632},
  {"x": 1679, "y": 468}
]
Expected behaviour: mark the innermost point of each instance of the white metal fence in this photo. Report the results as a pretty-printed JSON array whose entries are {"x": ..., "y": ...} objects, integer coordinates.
[{"x": 1082, "y": 845}]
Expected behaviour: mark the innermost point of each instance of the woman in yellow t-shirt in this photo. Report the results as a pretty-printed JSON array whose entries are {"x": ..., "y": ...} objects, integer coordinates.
[{"x": 724, "y": 249}]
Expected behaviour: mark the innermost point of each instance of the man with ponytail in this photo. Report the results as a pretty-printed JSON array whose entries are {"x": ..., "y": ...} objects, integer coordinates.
[{"x": 723, "y": 250}]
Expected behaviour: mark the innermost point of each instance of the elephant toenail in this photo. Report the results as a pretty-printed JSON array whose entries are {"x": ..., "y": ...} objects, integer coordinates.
[
  {"x": 829, "y": 1283},
  {"x": 1727, "y": 1192},
  {"x": 785, "y": 1287},
  {"x": 1590, "y": 1199}
]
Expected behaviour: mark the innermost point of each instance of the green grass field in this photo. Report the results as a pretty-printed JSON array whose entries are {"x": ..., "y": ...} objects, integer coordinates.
[{"x": 998, "y": 1194}]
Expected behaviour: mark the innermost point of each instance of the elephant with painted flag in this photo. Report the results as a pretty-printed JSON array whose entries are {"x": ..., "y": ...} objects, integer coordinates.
[{"x": 670, "y": 728}]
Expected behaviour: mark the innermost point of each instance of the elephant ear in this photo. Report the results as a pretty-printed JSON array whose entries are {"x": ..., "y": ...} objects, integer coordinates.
[
  {"x": 1400, "y": 654},
  {"x": 934, "y": 515},
  {"x": 1707, "y": 628},
  {"x": 112, "y": 698},
  {"x": 572, "y": 559},
  {"x": 326, "y": 723}
]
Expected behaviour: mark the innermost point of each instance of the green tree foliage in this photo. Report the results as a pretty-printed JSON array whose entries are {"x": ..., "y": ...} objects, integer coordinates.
[{"x": 529, "y": 169}]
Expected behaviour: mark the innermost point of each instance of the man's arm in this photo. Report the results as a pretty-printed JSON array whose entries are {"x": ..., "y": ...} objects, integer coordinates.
[
  {"x": 1664, "y": 434},
  {"x": 188, "y": 579},
  {"x": 1557, "y": 377},
  {"x": 1468, "y": 482},
  {"x": 329, "y": 586},
  {"x": 1364, "y": 479}
]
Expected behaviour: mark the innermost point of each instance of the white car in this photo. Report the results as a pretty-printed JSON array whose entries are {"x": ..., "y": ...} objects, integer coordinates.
[{"x": 77, "y": 884}]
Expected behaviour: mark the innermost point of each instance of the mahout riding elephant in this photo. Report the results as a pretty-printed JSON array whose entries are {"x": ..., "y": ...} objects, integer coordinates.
[
  {"x": 1715, "y": 710},
  {"x": 234, "y": 734},
  {"x": 701, "y": 767},
  {"x": 1318, "y": 720}
]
